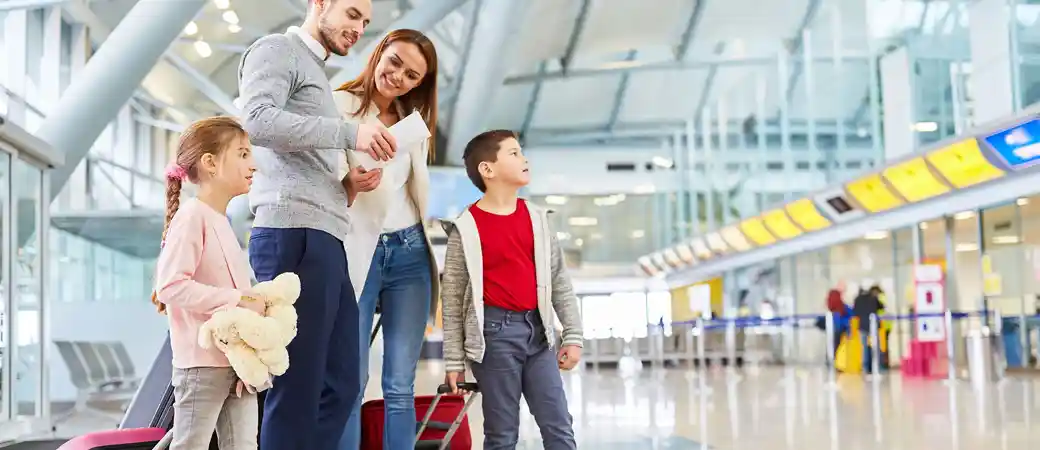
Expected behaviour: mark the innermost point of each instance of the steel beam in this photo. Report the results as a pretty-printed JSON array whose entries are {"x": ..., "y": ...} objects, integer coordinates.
[
  {"x": 704, "y": 64},
  {"x": 575, "y": 39},
  {"x": 690, "y": 31},
  {"x": 796, "y": 71},
  {"x": 532, "y": 105},
  {"x": 12, "y": 5},
  {"x": 204, "y": 84},
  {"x": 110, "y": 78},
  {"x": 619, "y": 94}
]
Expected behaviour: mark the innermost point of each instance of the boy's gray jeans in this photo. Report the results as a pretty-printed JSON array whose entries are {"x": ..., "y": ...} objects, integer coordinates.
[{"x": 518, "y": 361}]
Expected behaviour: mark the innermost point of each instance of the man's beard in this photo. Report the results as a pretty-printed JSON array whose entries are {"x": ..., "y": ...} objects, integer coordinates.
[{"x": 328, "y": 38}]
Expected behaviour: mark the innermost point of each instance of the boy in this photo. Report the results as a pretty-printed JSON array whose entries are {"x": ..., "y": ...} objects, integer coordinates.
[{"x": 503, "y": 278}]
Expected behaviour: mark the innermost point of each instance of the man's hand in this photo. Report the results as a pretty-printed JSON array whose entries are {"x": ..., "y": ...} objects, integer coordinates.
[
  {"x": 569, "y": 357},
  {"x": 377, "y": 141},
  {"x": 453, "y": 379}
]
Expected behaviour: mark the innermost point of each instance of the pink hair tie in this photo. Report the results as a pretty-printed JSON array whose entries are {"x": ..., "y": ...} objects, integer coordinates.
[{"x": 175, "y": 172}]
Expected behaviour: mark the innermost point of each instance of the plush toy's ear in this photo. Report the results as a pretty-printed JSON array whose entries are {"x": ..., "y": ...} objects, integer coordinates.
[{"x": 288, "y": 286}]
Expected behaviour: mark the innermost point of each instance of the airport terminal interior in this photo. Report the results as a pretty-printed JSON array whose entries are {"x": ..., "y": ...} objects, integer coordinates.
[{"x": 727, "y": 179}]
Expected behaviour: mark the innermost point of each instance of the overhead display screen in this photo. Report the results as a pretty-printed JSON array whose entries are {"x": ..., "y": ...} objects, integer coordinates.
[
  {"x": 963, "y": 164},
  {"x": 735, "y": 238},
  {"x": 805, "y": 214},
  {"x": 1018, "y": 147},
  {"x": 871, "y": 192},
  {"x": 914, "y": 180},
  {"x": 781, "y": 226},
  {"x": 755, "y": 230}
]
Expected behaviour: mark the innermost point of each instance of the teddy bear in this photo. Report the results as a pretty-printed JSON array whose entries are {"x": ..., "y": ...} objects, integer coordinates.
[{"x": 255, "y": 344}]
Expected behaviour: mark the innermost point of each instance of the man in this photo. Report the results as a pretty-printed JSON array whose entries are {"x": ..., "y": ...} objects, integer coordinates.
[{"x": 301, "y": 216}]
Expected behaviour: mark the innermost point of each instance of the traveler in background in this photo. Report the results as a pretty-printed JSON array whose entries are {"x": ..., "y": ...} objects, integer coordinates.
[
  {"x": 504, "y": 275},
  {"x": 202, "y": 269},
  {"x": 866, "y": 304},
  {"x": 389, "y": 257},
  {"x": 301, "y": 220},
  {"x": 840, "y": 313}
]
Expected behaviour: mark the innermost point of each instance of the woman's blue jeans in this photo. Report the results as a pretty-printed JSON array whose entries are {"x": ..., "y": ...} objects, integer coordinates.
[{"x": 399, "y": 281}]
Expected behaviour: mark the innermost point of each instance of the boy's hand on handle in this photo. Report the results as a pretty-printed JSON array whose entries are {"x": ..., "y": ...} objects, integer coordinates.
[
  {"x": 377, "y": 141},
  {"x": 569, "y": 357},
  {"x": 453, "y": 379}
]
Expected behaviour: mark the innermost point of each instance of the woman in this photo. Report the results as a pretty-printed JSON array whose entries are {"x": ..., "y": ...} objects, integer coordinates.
[{"x": 389, "y": 256}]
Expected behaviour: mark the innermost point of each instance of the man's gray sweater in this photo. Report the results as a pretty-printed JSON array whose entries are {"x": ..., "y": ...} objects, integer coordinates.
[{"x": 297, "y": 135}]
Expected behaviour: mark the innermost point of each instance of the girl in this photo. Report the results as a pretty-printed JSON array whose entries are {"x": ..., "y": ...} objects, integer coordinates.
[
  {"x": 389, "y": 257},
  {"x": 202, "y": 269}
]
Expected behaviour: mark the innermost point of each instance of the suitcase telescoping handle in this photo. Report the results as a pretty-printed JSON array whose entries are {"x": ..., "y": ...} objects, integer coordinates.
[{"x": 443, "y": 389}]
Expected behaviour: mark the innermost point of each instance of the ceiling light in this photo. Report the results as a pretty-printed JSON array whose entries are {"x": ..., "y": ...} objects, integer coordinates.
[
  {"x": 1005, "y": 240},
  {"x": 222, "y": 4},
  {"x": 923, "y": 226},
  {"x": 555, "y": 199},
  {"x": 583, "y": 221},
  {"x": 203, "y": 49},
  {"x": 579, "y": 242},
  {"x": 234, "y": 28},
  {"x": 1022, "y": 201},
  {"x": 964, "y": 215},
  {"x": 596, "y": 236},
  {"x": 230, "y": 17},
  {"x": 636, "y": 234},
  {"x": 925, "y": 127},
  {"x": 605, "y": 201},
  {"x": 644, "y": 189},
  {"x": 966, "y": 248},
  {"x": 876, "y": 235},
  {"x": 191, "y": 28},
  {"x": 562, "y": 236},
  {"x": 662, "y": 162}
]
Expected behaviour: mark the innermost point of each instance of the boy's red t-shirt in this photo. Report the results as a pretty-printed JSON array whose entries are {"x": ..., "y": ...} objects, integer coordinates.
[{"x": 507, "y": 246}]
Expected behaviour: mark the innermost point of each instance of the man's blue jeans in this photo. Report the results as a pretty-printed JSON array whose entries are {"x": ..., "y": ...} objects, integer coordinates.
[{"x": 399, "y": 281}]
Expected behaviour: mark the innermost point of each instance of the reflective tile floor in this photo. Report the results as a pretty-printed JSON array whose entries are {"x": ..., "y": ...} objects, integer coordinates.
[
  {"x": 784, "y": 408},
  {"x": 769, "y": 408}
]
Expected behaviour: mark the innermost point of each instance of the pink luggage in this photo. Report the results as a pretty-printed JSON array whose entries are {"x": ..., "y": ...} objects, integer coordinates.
[{"x": 122, "y": 439}]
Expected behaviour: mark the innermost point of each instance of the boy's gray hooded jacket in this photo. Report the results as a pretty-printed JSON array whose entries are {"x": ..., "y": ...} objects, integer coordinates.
[{"x": 462, "y": 289}]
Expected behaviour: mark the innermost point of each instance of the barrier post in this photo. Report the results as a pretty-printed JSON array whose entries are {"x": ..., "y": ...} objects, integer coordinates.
[
  {"x": 701, "y": 335},
  {"x": 595, "y": 353},
  {"x": 691, "y": 352},
  {"x": 951, "y": 369},
  {"x": 731, "y": 343},
  {"x": 875, "y": 348},
  {"x": 831, "y": 368},
  {"x": 1023, "y": 339}
]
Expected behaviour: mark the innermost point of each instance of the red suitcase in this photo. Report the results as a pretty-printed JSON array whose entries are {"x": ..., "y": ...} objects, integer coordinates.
[
  {"x": 124, "y": 439},
  {"x": 442, "y": 420}
]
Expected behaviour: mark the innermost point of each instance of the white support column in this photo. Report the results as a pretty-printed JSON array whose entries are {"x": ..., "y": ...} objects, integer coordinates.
[
  {"x": 992, "y": 76},
  {"x": 50, "y": 65},
  {"x": 898, "y": 109},
  {"x": 15, "y": 44},
  {"x": 491, "y": 50}
]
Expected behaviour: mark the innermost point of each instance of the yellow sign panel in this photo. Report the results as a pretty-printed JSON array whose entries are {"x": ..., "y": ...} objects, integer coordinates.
[
  {"x": 804, "y": 212},
  {"x": 755, "y": 230},
  {"x": 962, "y": 164},
  {"x": 780, "y": 224},
  {"x": 914, "y": 181},
  {"x": 871, "y": 192}
]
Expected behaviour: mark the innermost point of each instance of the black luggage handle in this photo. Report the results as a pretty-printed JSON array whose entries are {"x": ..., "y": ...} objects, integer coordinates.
[
  {"x": 465, "y": 386},
  {"x": 443, "y": 390}
]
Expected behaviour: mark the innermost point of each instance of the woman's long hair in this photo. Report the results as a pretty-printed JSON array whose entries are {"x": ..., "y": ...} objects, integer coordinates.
[{"x": 423, "y": 97}]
